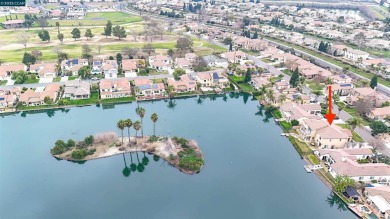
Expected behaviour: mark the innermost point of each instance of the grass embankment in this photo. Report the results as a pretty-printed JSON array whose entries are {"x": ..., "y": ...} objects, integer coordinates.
[
  {"x": 330, "y": 60},
  {"x": 94, "y": 98},
  {"x": 118, "y": 100},
  {"x": 4, "y": 82},
  {"x": 239, "y": 82},
  {"x": 301, "y": 147}
]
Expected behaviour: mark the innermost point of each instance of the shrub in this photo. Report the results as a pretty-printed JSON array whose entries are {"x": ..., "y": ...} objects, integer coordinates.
[
  {"x": 70, "y": 143},
  {"x": 79, "y": 153},
  {"x": 58, "y": 149},
  {"x": 81, "y": 144},
  {"x": 88, "y": 140},
  {"x": 172, "y": 157},
  {"x": 189, "y": 160},
  {"x": 294, "y": 122}
]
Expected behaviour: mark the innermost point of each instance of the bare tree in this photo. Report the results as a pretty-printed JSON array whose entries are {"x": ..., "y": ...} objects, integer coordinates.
[
  {"x": 364, "y": 105},
  {"x": 99, "y": 48},
  {"x": 359, "y": 39},
  {"x": 134, "y": 34},
  {"x": 42, "y": 22},
  {"x": 170, "y": 27},
  {"x": 130, "y": 52},
  {"x": 57, "y": 50},
  {"x": 148, "y": 48},
  {"x": 23, "y": 38}
]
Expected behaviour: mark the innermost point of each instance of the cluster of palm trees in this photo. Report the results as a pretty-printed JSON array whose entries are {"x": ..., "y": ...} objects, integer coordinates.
[{"x": 137, "y": 125}]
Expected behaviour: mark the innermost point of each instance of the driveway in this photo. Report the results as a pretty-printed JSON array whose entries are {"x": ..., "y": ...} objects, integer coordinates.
[{"x": 45, "y": 80}]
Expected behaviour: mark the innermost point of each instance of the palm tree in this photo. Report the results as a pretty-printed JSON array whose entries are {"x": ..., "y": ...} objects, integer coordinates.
[
  {"x": 170, "y": 90},
  {"x": 282, "y": 98},
  {"x": 154, "y": 119},
  {"x": 329, "y": 81},
  {"x": 263, "y": 90},
  {"x": 137, "y": 126},
  {"x": 298, "y": 99},
  {"x": 342, "y": 182},
  {"x": 128, "y": 124},
  {"x": 270, "y": 95},
  {"x": 141, "y": 112},
  {"x": 121, "y": 126},
  {"x": 355, "y": 122}
]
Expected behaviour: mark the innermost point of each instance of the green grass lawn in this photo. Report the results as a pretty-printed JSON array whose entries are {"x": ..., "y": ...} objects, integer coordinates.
[
  {"x": 4, "y": 82},
  {"x": 118, "y": 100},
  {"x": 99, "y": 19},
  {"x": 287, "y": 72},
  {"x": 94, "y": 98},
  {"x": 57, "y": 79},
  {"x": 301, "y": 147},
  {"x": 247, "y": 88},
  {"x": 277, "y": 114},
  {"x": 23, "y": 107},
  {"x": 266, "y": 60},
  {"x": 237, "y": 79},
  {"x": 314, "y": 86},
  {"x": 30, "y": 80},
  {"x": 286, "y": 125},
  {"x": 313, "y": 159},
  {"x": 331, "y": 60},
  {"x": 71, "y": 78},
  {"x": 228, "y": 89}
]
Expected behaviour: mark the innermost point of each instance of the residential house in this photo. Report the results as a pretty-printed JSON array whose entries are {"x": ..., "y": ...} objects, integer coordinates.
[
  {"x": 324, "y": 135},
  {"x": 129, "y": 67},
  {"x": 292, "y": 111},
  {"x": 114, "y": 88},
  {"x": 110, "y": 69},
  {"x": 44, "y": 70},
  {"x": 356, "y": 55},
  {"x": 160, "y": 62},
  {"x": 37, "y": 98},
  {"x": 185, "y": 84},
  {"x": 7, "y": 70},
  {"x": 345, "y": 163},
  {"x": 7, "y": 99},
  {"x": 214, "y": 61},
  {"x": 234, "y": 57},
  {"x": 77, "y": 89},
  {"x": 340, "y": 89},
  {"x": 379, "y": 113},
  {"x": 378, "y": 198},
  {"x": 183, "y": 63},
  {"x": 258, "y": 82},
  {"x": 145, "y": 87},
  {"x": 368, "y": 94},
  {"x": 97, "y": 67},
  {"x": 72, "y": 66},
  {"x": 341, "y": 79},
  {"x": 12, "y": 24}
]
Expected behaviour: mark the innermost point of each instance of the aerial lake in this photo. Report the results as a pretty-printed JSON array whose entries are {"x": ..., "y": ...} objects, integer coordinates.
[{"x": 250, "y": 170}]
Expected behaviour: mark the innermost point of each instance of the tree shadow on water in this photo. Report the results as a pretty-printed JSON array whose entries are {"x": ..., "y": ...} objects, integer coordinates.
[{"x": 334, "y": 200}]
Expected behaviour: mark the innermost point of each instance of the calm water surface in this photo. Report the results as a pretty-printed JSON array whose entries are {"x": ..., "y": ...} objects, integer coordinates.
[{"x": 250, "y": 171}]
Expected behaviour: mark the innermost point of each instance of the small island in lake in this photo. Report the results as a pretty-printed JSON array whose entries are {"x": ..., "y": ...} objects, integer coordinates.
[{"x": 179, "y": 152}]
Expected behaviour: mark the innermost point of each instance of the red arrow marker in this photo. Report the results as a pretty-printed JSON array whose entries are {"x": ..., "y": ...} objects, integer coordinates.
[{"x": 330, "y": 116}]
